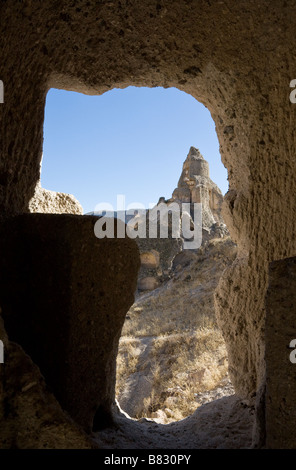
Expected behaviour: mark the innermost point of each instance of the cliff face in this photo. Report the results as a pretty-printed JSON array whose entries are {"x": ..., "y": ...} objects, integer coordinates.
[
  {"x": 194, "y": 186},
  {"x": 172, "y": 356}
]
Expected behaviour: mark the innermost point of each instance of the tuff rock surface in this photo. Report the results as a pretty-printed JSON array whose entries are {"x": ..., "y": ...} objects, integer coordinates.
[
  {"x": 235, "y": 57},
  {"x": 51, "y": 202},
  {"x": 69, "y": 318}
]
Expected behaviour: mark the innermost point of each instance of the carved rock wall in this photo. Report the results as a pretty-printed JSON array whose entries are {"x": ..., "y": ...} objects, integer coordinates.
[
  {"x": 30, "y": 415},
  {"x": 280, "y": 331},
  {"x": 64, "y": 295},
  {"x": 236, "y": 57}
]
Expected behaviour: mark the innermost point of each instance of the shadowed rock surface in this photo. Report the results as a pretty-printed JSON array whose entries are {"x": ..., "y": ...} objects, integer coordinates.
[
  {"x": 280, "y": 413},
  {"x": 73, "y": 291},
  {"x": 30, "y": 416},
  {"x": 226, "y": 423},
  {"x": 235, "y": 57}
]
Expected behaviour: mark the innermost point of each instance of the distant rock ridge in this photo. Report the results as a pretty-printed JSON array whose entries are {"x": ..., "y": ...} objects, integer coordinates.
[{"x": 194, "y": 186}]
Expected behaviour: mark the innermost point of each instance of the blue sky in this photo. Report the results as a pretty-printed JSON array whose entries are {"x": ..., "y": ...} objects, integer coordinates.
[{"x": 132, "y": 142}]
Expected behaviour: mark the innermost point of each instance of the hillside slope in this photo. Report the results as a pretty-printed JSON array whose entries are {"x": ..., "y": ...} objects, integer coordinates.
[{"x": 171, "y": 352}]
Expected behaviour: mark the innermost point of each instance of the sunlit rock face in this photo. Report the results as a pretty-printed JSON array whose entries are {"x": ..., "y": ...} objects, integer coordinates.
[
  {"x": 196, "y": 186},
  {"x": 51, "y": 202}
]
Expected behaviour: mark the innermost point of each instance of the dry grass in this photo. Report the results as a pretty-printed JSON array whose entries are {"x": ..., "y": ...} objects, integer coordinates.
[
  {"x": 187, "y": 352},
  {"x": 181, "y": 366},
  {"x": 127, "y": 360},
  {"x": 185, "y": 312}
]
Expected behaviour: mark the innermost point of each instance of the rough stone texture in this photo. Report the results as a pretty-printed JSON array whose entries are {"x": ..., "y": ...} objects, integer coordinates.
[
  {"x": 235, "y": 57},
  {"x": 280, "y": 410},
  {"x": 51, "y": 202},
  {"x": 147, "y": 283},
  {"x": 64, "y": 295},
  {"x": 150, "y": 259},
  {"x": 152, "y": 276},
  {"x": 222, "y": 424},
  {"x": 30, "y": 416}
]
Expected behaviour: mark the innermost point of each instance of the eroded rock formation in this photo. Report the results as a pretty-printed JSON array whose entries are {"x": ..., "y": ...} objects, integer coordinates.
[
  {"x": 234, "y": 57},
  {"x": 195, "y": 186},
  {"x": 51, "y": 202}
]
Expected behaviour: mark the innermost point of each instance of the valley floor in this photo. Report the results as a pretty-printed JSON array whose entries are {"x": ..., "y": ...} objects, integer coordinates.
[{"x": 226, "y": 423}]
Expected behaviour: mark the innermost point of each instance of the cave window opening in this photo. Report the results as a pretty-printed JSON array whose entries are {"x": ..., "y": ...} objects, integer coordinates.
[{"x": 171, "y": 357}]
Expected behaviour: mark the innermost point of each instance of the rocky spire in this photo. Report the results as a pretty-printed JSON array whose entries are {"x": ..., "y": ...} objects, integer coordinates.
[{"x": 195, "y": 185}]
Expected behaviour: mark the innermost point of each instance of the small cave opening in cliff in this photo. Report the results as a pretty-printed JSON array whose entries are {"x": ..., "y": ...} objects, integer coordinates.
[{"x": 129, "y": 145}]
